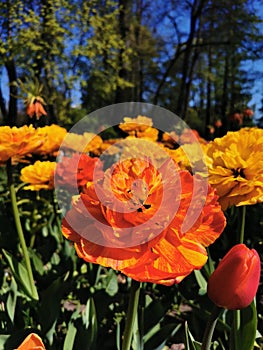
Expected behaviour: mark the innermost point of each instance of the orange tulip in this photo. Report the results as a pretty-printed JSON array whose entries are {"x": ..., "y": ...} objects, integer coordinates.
[
  {"x": 233, "y": 285},
  {"x": 32, "y": 342}
]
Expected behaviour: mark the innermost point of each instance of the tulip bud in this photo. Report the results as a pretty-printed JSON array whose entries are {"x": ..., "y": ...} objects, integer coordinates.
[{"x": 234, "y": 283}]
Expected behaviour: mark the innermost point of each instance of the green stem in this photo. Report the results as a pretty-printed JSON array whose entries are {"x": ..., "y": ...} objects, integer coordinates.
[
  {"x": 210, "y": 327},
  {"x": 235, "y": 330},
  {"x": 19, "y": 229},
  {"x": 243, "y": 221},
  {"x": 32, "y": 240},
  {"x": 131, "y": 314}
]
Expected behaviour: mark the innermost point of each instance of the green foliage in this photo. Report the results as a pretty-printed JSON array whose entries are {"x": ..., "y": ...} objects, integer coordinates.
[
  {"x": 244, "y": 335},
  {"x": 20, "y": 274},
  {"x": 82, "y": 305}
]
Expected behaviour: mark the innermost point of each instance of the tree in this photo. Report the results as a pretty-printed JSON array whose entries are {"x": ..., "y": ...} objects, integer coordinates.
[{"x": 120, "y": 52}]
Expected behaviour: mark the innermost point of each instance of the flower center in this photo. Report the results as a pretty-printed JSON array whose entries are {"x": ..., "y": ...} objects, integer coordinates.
[
  {"x": 146, "y": 206},
  {"x": 238, "y": 172}
]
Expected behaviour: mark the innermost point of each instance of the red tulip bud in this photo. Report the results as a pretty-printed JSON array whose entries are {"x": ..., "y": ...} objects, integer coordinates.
[{"x": 234, "y": 283}]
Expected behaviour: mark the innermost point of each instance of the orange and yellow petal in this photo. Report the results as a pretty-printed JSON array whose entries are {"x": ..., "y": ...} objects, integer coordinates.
[
  {"x": 235, "y": 165},
  {"x": 100, "y": 232}
]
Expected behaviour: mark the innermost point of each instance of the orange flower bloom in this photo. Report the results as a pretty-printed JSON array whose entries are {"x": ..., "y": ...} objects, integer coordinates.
[
  {"x": 235, "y": 165},
  {"x": 218, "y": 123},
  {"x": 237, "y": 118},
  {"x": 149, "y": 133},
  {"x": 133, "y": 220},
  {"x": 18, "y": 141},
  {"x": 248, "y": 113},
  {"x": 88, "y": 142},
  {"x": 130, "y": 125},
  {"x": 54, "y": 135},
  {"x": 40, "y": 175},
  {"x": 140, "y": 127},
  {"x": 133, "y": 147},
  {"x": 189, "y": 136},
  {"x": 34, "y": 101},
  {"x": 189, "y": 156},
  {"x": 32, "y": 342},
  {"x": 170, "y": 139},
  {"x": 36, "y": 108},
  {"x": 109, "y": 147},
  {"x": 78, "y": 170}
]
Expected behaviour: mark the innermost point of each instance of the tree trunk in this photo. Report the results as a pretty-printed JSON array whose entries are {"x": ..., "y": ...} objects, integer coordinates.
[
  {"x": 208, "y": 91},
  {"x": 12, "y": 76},
  {"x": 3, "y": 108},
  {"x": 139, "y": 77},
  {"x": 122, "y": 94},
  {"x": 225, "y": 98},
  {"x": 189, "y": 82},
  {"x": 194, "y": 33},
  {"x": 166, "y": 74}
]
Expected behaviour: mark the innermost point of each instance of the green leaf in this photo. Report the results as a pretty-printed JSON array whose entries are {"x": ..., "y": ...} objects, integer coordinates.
[
  {"x": 89, "y": 319},
  {"x": 243, "y": 337},
  {"x": 189, "y": 339},
  {"x": 112, "y": 283},
  {"x": 71, "y": 332},
  {"x": 118, "y": 333},
  {"x": 159, "y": 339},
  {"x": 3, "y": 339},
  {"x": 154, "y": 313},
  {"x": 88, "y": 315},
  {"x": 210, "y": 265},
  {"x": 201, "y": 282},
  {"x": 20, "y": 274},
  {"x": 38, "y": 264},
  {"x": 70, "y": 337},
  {"x": 49, "y": 309},
  {"x": 11, "y": 300},
  {"x": 82, "y": 329},
  {"x": 136, "y": 338}
]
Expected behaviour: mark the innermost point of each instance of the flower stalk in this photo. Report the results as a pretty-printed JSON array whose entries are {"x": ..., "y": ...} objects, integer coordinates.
[
  {"x": 243, "y": 221},
  {"x": 20, "y": 229},
  {"x": 131, "y": 314},
  {"x": 210, "y": 327},
  {"x": 236, "y": 328}
]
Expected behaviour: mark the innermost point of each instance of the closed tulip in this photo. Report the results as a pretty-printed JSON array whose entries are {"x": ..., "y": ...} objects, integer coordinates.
[{"x": 234, "y": 283}]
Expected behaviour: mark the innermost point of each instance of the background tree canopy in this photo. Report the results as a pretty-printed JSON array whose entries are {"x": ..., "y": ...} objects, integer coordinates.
[{"x": 188, "y": 56}]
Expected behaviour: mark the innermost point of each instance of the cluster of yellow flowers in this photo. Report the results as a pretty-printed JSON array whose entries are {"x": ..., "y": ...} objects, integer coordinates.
[
  {"x": 234, "y": 162},
  {"x": 143, "y": 175}
]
